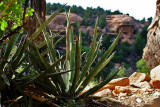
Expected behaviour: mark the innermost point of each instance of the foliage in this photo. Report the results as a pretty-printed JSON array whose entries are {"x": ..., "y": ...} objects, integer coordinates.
[
  {"x": 54, "y": 78},
  {"x": 117, "y": 12},
  {"x": 142, "y": 67},
  {"x": 12, "y": 13},
  {"x": 143, "y": 20},
  {"x": 106, "y": 42},
  {"x": 122, "y": 73},
  {"x": 139, "y": 44},
  {"x": 140, "y": 41},
  {"x": 13, "y": 82},
  {"x": 123, "y": 50},
  {"x": 102, "y": 21},
  {"x": 150, "y": 19},
  {"x": 68, "y": 87}
]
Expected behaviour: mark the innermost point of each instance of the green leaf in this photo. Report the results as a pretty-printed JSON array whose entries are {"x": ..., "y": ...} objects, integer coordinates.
[
  {"x": 3, "y": 25},
  {"x": 10, "y": 45},
  {"x": 40, "y": 76},
  {"x": 51, "y": 50},
  {"x": 22, "y": 1},
  {"x": 77, "y": 66},
  {"x": 91, "y": 55},
  {"x": 100, "y": 64},
  {"x": 35, "y": 34},
  {"x": 72, "y": 53},
  {"x": 53, "y": 56},
  {"x": 100, "y": 85},
  {"x": 5, "y": 79}
]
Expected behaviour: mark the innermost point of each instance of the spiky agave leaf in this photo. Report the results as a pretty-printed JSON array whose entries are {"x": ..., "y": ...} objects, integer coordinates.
[{"x": 100, "y": 65}]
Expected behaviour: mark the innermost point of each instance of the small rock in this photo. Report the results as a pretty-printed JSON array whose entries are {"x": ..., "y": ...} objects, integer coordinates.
[
  {"x": 120, "y": 89},
  {"x": 103, "y": 93},
  {"x": 155, "y": 84},
  {"x": 156, "y": 94},
  {"x": 138, "y": 100},
  {"x": 155, "y": 73},
  {"x": 138, "y": 77}
]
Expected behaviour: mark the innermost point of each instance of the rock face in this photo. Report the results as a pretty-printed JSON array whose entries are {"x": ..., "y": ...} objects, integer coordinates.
[
  {"x": 151, "y": 53},
  {"x": 128, "y": 25},
  {"x": 59, "y": 21}
]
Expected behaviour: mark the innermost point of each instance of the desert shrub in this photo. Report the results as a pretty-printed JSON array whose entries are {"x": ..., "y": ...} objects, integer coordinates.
[{"x": 142, "y": 67}]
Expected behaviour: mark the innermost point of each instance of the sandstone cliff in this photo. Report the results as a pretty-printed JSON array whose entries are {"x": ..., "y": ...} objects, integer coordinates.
[
  {"x": 151, "y": 53},
  {"x": 113, "y": 24},
  {"x": 129, "y": 26},
  {"x": 58, "y": 23}
]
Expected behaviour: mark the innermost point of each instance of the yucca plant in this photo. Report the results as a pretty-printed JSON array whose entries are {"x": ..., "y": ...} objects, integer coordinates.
[
  {"x": 76, "y": 76},
  {"x": 12, "y": 83},
  {"x": 81, "y": 76}
]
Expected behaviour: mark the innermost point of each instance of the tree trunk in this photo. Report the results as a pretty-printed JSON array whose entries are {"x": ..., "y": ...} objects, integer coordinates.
[{"x": 32, "y": 25}]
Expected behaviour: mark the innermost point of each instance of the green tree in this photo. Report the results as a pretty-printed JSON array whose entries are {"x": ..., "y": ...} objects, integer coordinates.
[
  {"x": 139, "y": 44},
  {"x": 143, "y": 20},
  {"x": 144, "y": 33},
  {"x": 48, "y": 9},
  {"x": 102, "y": 21},
  {"x": 142, "y": 67},
  {"x": 117, "y": 12},
  {"x": 123, "y": 50},
  {"x": 106, "y": 42},
  {"x": 150, "y": 19}
]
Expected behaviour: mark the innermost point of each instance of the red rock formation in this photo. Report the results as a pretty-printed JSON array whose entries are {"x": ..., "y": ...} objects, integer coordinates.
[
  {"x": 59, "y": 21},
  {"x": 128, "y": 25}
]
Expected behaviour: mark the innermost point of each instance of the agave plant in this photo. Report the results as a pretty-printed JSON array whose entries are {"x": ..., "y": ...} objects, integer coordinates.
[
  {"x": 13, "y": 54},
  {"x": 47, "y": 79},
  {"x": 76, "y": 76},
  {"x": 81, "y": 76}
]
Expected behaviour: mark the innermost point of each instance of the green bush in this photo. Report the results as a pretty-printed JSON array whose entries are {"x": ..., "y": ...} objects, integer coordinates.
[
  {"x": 122, "y": 73},
  {"x": 142, "y": 67}
]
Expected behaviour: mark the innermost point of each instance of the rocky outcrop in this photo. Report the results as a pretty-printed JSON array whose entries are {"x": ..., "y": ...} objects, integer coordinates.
[
  {"x": 136, "y": 78},
  {"x": 128, "y": 25},
  {"x": 59, "y": 21},
  {"x": 151, "y": 53}
]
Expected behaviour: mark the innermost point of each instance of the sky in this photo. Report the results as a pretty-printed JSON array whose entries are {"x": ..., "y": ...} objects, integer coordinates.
[{"x": 136, "y": 8}]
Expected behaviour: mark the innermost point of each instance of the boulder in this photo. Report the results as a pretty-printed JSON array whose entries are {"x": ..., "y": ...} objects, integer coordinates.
[
  {"x": 138, "y": 77},
  {"x": 144, "y": 84},
  {"x": 151, "y": 52},
  {"x": 155, "y": 84},
  {"x": 155, "y": 73},
  {"x": 116, "y": 82}
]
